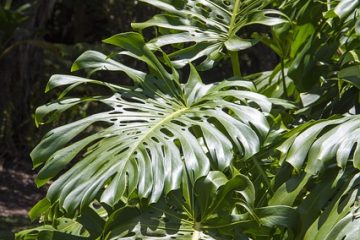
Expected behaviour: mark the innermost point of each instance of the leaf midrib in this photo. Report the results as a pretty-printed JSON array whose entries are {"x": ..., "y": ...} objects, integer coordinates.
[
  {"x": 156, "y": 126},
  {"x": 233, "y": 17}
]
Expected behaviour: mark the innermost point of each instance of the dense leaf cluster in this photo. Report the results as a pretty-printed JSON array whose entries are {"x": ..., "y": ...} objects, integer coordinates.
[{"x": 273, "y": 155}]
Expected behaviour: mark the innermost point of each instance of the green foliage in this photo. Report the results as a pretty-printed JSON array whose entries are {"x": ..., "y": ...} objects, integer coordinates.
[
  {"x": 211, "y": 25},
  {"x": 273, "y": 155},
  {"x": 147, "y": 127}
]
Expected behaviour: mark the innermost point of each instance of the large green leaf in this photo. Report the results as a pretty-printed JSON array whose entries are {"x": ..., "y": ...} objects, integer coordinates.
[
  {"x": 154, "y": 134},
  {"x": 324, "y": 142},
  {"x": 206, "y": 28}
]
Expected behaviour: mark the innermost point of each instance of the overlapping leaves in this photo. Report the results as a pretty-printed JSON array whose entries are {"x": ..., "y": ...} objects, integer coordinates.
[
  {"x": 327, "y": 203},
  {"x": 152, "y": 138},
  {"x": 205, "y": 29},
  {"x": 158, "y": 155},
  {"x": 322, "y": 143},
  {"x": 197, "y": 215},
  {"x": 325, "y": 156},
  {"x": 319, "y": 53}
]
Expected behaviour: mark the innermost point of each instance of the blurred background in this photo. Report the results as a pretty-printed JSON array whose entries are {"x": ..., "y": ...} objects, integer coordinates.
[{"x": 43, "y": 37}]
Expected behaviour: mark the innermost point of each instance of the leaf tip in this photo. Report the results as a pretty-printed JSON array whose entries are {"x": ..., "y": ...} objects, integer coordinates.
[{"x": 75, "y": 67}]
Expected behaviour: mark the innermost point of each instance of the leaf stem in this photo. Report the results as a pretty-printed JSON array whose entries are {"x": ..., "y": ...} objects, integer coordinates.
[
  {"x": 235, "y": 63},
  {"x": 283, "y": 78},
  {"x": 233, "y": 16},
  {"x": 197, "y": 231},
  {"x": 234, "y": 55},
  {"x": 262, "y": 173}
]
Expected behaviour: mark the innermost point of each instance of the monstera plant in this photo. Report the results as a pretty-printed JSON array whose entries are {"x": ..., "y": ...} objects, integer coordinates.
[
  {"x": 210, "y": 27},
  {"x": 263, "y": 156}
]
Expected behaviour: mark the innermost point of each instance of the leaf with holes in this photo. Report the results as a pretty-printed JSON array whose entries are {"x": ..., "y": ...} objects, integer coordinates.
[
  {"x": 206, "y": 28},
  {"x": 150, "y": 137}
]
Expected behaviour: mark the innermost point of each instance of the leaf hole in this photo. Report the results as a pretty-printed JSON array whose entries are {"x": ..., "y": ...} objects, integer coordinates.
[
  {"x": 166, "y": 132},
  {"x": 134, "y": 121},
  {"x": 226, "y": 3},
  {"x": 116, "y": 112},
  {"x": 155, "y": 139},
  {"x": 132, "y": 99},
  {"x": 121, "y": 151},
  {"x": 130, "y": 234},
  {"x": 179, "y": 4},
  {"x": 96, "y": 205},
  {"x": 196, "y": 118},
  {"x": 133, "y": 109},
  {"x": 220, "y": 17},
  {"x": 178, "y": 123}
]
